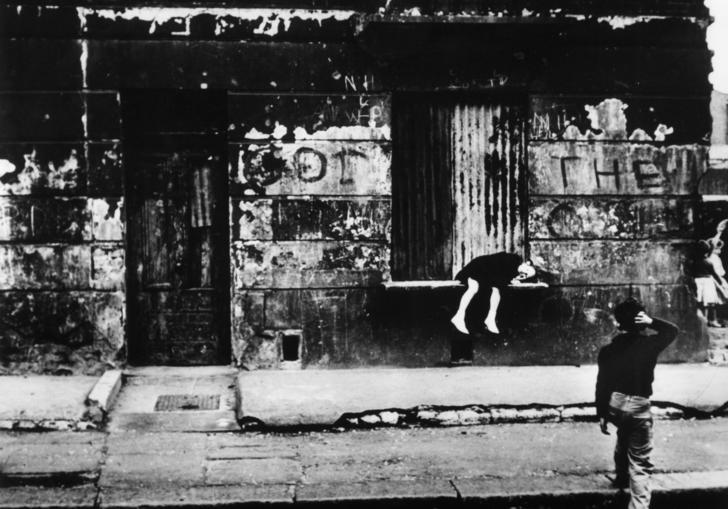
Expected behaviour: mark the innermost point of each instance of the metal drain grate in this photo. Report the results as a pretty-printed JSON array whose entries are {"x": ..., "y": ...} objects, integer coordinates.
[{"x": 176, "y": 402}]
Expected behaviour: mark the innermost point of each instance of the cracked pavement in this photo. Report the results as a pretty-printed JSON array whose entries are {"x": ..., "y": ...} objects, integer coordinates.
[{"x": 130, "y": 468}]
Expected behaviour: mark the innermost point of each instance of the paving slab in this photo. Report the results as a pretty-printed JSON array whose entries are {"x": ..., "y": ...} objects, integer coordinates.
[
  {"x": 490, "y": 464},
  {"x": 157, "y": 443},
  {"x": 51, "y": 454},
  {"x": 135, "y": 407},
  {"x": 38, "y": 397},
  {"x": 154, "y": 459},
  {"x": 181, "y": 470},
  {"x": 321, "y": 397},
  {"x": 266, "y": 470}
]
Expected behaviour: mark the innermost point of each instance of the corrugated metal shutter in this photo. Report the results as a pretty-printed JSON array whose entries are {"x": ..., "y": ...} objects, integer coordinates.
[
  {"x": 457, "y": 185},
  {"x": 488, "y": 180}
]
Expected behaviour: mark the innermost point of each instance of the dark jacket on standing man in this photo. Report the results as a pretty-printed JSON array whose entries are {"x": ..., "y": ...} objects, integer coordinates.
[{"x": 627, "y": 364}]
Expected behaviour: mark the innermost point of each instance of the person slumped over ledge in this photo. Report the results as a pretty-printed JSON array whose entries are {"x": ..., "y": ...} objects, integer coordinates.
[
  {"x": 624, "y": 386},
  {"x": 489, "y": 273}
]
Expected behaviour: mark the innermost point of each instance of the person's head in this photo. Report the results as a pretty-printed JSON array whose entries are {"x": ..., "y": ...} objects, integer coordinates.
[
  {"x": 526, "y": 270},
  {"x": 626, "y": 312},
  {"x": 716, "y": 245}
]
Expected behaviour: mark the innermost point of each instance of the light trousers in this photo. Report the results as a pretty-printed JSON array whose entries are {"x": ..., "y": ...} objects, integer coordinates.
[{"x": 633, "y": 419}]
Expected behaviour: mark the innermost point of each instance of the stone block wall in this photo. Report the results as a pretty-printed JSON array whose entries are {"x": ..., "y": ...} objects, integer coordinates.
[
  {"x": 619, "y": 99},
  {"x": 62, "y": 303},
  {"x": 310, "y": 219},
  {"x": 614, "y": 200}
]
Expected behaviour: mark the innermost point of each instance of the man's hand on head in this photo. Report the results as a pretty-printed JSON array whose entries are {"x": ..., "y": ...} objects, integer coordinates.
[
  {"x": 603, "y": 425},
  {"x": 642, "y": 319}
]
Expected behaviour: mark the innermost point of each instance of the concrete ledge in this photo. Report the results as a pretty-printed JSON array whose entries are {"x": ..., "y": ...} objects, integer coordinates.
[{"x": 433, "y": 284}]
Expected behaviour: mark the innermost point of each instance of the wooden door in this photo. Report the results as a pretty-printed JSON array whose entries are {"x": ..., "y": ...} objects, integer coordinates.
[{"x": 177, "y": 246}]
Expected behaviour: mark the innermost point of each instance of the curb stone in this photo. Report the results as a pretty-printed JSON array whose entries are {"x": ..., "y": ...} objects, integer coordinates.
[
  {"x": 47, "y": 425},
  {"x": 102, "y": 396},
  {"x": 434, "y": 416}
]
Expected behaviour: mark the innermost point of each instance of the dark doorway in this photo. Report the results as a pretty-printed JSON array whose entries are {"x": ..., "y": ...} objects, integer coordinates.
[{"x": 177, "y": 237}]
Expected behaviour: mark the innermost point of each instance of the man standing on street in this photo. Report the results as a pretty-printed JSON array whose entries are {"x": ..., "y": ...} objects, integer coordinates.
[{"x": 624, "y": 385}]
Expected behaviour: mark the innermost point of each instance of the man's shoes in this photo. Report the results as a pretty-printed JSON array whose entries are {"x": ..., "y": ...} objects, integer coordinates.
[{"x": 617, "y": 482}]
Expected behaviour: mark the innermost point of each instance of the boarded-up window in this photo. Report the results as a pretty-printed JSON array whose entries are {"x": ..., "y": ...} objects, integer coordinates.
[{"x": 458, "y": 183}]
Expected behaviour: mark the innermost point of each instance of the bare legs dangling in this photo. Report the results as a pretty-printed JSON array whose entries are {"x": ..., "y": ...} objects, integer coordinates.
[
  {"x": 459, "y": 319},
  {"x": 492, "y": 310}
]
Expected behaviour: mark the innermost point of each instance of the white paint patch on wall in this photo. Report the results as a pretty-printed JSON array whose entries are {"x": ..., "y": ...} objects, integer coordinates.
[
  {"x": 271, "y": 20},
  {"x": 345, "y": 133},
  {"x": 616, "y": 22},
  {"x": 6, "y": 167},
  {"x": 621, "y": 22},
  {"x": 718, "y": 42}
]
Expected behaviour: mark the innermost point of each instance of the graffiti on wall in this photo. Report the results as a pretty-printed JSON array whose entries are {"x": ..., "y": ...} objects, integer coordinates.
[
  {"x": 645, "y": 173},
  {"x": 588, "y": 168},
  {"x": 610, "y": 218},
  {"x": 368, "y": 111},
  {"x": 313, "y": 168},
  {"x": 309, "y": 117},
  {"x": 358, "y": 82}
]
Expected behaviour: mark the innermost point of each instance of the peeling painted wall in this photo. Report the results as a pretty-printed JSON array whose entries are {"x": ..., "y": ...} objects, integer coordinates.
[
  {"x": 62, "y": 269},
  {"x": 615, "y": 201},
  {"x": 618, "y": 131},
  {"x": 310, "y": 210}
]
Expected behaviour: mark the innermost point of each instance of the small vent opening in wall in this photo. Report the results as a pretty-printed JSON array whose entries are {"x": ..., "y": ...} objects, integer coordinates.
[
  {"x": 291, "y": 347},
  {"x": 461, "y": 352}
]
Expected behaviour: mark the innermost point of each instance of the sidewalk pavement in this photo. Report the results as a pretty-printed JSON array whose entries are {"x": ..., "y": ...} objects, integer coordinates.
[
  {"x": 512, "y": 465},
  {"x": 148, "y": 457},
  {"x": 322, "y": 397},
  {"x": 38, "y": 402},
  {"x": 345, "y": 397}
]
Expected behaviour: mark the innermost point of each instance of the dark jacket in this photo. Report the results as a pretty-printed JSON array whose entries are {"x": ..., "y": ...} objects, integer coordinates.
[
  {"x": 496, "y": 269},
  {"x": 627, "y": 364},
  {"x": 703, "y": 268}
]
